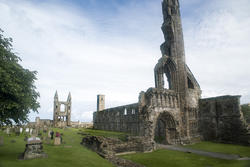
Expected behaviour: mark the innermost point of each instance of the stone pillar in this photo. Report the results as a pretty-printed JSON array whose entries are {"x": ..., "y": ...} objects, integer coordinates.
[
  {"x": 167, "y": 100},
  {"x": 159, "y": 99},
  {"x": 170, "y": 101},
  {"x": 163, "y": 100}
]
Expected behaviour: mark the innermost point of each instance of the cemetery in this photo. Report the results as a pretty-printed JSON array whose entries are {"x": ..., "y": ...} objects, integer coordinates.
[{"x": 71, "y": 151}]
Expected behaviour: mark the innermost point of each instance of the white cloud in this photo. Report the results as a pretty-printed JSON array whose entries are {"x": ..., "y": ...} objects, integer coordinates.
[
  {"x": 218, "y": 49},
  {"x": 72, "y": 53},
  {"x": 85, "y": 55}
]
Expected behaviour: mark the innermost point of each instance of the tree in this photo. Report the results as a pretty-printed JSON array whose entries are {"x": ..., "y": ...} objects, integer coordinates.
[
  {"x": 246, "y": 112},
  {"x": 18, "y": 95}
]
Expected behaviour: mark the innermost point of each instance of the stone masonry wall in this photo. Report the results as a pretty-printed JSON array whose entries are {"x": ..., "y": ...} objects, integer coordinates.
[
  {"x": 122, "y": 119},
  {"x": 221, "y": 120}
]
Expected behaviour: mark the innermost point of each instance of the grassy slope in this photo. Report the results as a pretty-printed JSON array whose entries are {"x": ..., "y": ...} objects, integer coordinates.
[
  {"x": 222, "y": 148},
  {"x": 76, "y": 155},
  {"x": 118, "y": 135},
  {"x": 59, "y": 156},
  {"x": 167, "y": 158}
]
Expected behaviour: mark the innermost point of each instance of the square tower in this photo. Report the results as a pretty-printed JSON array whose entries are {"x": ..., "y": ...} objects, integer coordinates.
[{"x": 100, "y": 102}]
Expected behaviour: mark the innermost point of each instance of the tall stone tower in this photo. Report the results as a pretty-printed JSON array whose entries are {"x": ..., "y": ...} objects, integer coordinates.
[
  {"x": 172, "y": 65},
  {"x": 100, "y": 102},
  {"x": 175, "y": 107},
  {"x": 62, "y": 112}
]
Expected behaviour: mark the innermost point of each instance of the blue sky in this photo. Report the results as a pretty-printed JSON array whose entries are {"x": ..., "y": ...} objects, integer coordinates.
[{"x": 110, "y": 47}]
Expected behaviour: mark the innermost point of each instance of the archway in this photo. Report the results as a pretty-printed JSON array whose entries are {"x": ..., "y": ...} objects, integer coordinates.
[
  {"x": 165, "y": 74},
  {"x": 165, "y": 129}
]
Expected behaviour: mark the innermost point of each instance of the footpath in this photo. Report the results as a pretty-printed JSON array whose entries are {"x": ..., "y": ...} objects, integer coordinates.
[{"x": 204, "y": 153}]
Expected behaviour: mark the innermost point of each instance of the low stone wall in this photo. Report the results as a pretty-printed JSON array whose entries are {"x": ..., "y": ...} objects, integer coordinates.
[
  {"x": 108, "y": 148},
  {"x": 121, "y": 119},
  {"x": 221, "y": 120}
]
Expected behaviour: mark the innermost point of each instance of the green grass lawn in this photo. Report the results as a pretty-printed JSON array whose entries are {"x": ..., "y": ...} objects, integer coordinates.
[
  {"x": 222, "y": 148},
  {"x": 66, "y": 155},
  {"x": 73, "y": 154},
  {"x": 118, "y": 135},
  {"x": 167, "y": 158}
]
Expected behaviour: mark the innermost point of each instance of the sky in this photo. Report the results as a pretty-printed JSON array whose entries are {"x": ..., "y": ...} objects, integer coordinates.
[{"x": 90, "y": 47}]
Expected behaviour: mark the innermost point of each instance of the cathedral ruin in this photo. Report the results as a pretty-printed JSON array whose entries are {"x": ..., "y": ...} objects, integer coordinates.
[
  {"x": 175, "y": 114},
  {"x": 62, "y": 112}
]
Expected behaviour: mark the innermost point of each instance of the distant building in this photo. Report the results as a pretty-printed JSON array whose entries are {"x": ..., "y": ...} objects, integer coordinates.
[
  {"x": 62, "y": 112},
  {"x": 61, "y": 116}
]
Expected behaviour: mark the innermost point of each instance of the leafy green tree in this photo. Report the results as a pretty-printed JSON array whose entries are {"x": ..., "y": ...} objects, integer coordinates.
[{"x": 18, "y": 95}]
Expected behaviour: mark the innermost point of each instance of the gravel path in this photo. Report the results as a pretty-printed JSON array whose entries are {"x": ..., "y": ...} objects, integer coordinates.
[{"x": 204, "y": 153}]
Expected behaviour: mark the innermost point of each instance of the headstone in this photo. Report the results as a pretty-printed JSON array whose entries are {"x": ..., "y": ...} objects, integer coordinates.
[
  {"x": 49, "y": 135},
  {"x": 25, "y": 138},
  {"x": 57, "y": 141},
  {"x": 31, "y": 130},
  {"x": 34, "y": 149},
  {"x": 1, "y": 140},
  {"x": 45, "y": 129},
  {"x": 17, "y": 131},
  {"x": 34, "y": 132},
  {"x": 21, "y": 130},
  {"x": 27, "y": 130},
  {"x": 8, "y": 131}
]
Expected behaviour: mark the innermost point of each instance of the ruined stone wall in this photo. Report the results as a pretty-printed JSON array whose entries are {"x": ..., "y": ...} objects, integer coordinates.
[
  {"x": 221, "y": 120},
  {"x": 121, "y": 119}
]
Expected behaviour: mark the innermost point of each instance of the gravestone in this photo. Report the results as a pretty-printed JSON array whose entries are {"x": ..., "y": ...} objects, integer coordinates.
[
  {"x": 34, "y": 149},
  {"x": 31, "y": 130},
  {"x": 1, "y": 140},
  {"x": 27, "y": 130},
  {"x": 34, "y": 132},
  {"x": 49, "y": 135},
  {"x": 17, "y": 131},
  {"x": 8, "y": 131},
  {"x": 21, "y": 130},
  {"x": 25, "y": 138},
  {"x": 57, "y": 141},
  {"x": 45, "y": 129}
]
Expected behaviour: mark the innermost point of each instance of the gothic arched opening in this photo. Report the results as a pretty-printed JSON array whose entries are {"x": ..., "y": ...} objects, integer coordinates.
[
  {"x": 165, "y": 129},
  {"x": 165, "y": 74},
  {"x": 170, "y": 72}
]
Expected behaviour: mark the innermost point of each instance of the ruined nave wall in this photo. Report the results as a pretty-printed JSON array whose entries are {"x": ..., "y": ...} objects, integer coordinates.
[
  {"x": 221, "y": 120},
  {"x": 121, "y": 119}
]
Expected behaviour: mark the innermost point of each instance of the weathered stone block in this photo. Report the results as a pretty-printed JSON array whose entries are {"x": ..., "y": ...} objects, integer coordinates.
[
  {"x": 57, "y": 141},
  {"x": 33, "y": 149},
  {"x": 109, "y": 147}
]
